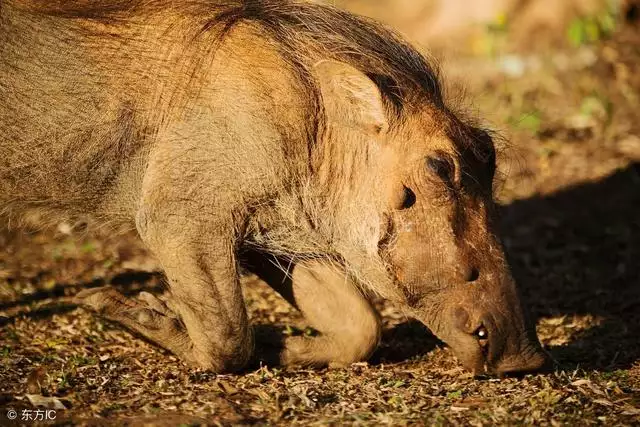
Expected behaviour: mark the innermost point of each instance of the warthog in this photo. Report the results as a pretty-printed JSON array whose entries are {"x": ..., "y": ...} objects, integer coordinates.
[{"x": 233, "y": 133}]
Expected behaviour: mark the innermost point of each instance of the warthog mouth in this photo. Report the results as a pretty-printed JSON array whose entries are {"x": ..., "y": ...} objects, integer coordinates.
[
  {"x": 490, "y": 344},
  {"x": 534, "y": 360}
]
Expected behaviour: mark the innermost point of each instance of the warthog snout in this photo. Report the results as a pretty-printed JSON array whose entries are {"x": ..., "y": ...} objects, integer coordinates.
[
  {"x": 489, "y": 343},
  {"x": 531, "y": 360}
]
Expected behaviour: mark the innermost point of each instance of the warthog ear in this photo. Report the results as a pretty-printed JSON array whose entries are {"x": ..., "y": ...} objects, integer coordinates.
[{"x": 350, "y": 97}]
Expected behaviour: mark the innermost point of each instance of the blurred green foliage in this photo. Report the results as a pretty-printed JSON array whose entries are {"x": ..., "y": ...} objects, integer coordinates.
[
  {"x": 588, "y": 29},
  {"x": 597, "y": 106},
  {"x": 494, "y": 38},
  {"x": 530, "y": 121}
]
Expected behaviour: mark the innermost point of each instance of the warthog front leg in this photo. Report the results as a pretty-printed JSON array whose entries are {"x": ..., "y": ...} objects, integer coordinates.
[
  {"x": 332, "y": 304},
  {"x": 206, "y": 324},
  {"x": 150, "y": 318}
]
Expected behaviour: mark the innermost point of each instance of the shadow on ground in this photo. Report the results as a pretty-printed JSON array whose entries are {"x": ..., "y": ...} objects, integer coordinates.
[
  {"x": 577, "y": 252},
  {"x": 129, "y": 283}
]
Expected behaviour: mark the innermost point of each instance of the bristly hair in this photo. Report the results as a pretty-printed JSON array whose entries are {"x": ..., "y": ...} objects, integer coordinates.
[
  {"x": 403, "y": 75},
  {"x": 302, "y": 29}
]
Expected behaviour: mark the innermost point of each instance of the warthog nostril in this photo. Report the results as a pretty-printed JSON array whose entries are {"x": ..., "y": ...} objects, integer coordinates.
[{"x": 473, "y": 274}]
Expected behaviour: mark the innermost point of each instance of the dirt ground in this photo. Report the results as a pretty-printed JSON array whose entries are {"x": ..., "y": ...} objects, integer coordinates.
[{"x": 570, "y": 191}]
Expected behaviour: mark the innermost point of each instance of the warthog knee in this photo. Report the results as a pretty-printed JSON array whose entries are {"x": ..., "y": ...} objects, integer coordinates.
[
  {"x": 357, "y": 342},
  {"x": 230, "y": 356}
]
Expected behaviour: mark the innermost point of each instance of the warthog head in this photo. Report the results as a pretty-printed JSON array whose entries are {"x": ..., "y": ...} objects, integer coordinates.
[
  {"x": 432, "y": 174},
  {"x": 444, "y": 251}
]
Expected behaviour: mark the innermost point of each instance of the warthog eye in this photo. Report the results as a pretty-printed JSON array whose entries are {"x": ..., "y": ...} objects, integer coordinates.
[
  {"x": 442, "y": 165},
  {"x": 409, "y": 198}
]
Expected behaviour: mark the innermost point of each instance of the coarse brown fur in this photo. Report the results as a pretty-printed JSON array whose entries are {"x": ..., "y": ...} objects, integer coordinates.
[{"x": 243, "y": 131}]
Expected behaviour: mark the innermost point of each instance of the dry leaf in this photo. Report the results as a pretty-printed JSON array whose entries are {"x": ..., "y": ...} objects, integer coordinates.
[{"x": 45, "y": 402}]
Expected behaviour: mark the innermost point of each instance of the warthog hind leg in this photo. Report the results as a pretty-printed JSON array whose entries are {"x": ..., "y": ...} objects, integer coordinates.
[{"x": 348, "y": 324}]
